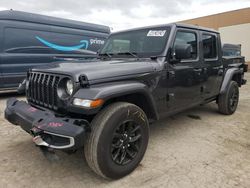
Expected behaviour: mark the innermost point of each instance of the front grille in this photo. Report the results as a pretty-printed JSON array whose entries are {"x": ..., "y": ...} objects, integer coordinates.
[{"x": 42, "y": 89}]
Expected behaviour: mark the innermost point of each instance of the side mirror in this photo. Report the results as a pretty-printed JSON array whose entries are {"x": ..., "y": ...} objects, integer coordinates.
[{"x": 183, "y": 51}]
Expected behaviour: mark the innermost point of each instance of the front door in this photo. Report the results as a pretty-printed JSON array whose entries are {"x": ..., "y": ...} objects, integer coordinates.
[{"x": 185, "y": 77}]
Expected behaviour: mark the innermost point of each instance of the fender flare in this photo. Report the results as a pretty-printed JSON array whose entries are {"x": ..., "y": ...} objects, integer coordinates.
[
  {"x": 118, "y": 89},
  {"x": 228, "y": 78}
]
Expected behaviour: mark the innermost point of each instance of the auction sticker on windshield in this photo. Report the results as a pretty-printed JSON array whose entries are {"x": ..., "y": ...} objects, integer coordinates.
[{"x": 156, "y": 33}]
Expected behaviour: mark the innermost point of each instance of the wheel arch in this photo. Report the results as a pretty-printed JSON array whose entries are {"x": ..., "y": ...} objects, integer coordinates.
[
  {"x": 133, "y": 92},
  {"x": 140, "y": 99},
  {"x": 233, "y": 74}
]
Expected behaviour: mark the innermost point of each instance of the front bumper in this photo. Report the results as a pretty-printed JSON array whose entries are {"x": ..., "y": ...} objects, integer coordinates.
[{"x": 47, "y": 129}]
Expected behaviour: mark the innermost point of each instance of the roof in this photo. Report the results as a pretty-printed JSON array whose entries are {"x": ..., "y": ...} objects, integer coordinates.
[
  {"x": 188, "y": 26},
  {"x": 196, "y": 27},
  {"x": 41, "y": 19}
]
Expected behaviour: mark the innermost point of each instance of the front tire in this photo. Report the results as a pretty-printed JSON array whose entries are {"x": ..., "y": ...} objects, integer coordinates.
[
  {"x": 118, "y": 140},
  {"x": 228, "y": 101}
]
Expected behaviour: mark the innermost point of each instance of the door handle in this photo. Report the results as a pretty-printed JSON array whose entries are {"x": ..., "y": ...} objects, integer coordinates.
[
  {"x": 197, "y": 69},
  {"x": 205, "y": 70}
]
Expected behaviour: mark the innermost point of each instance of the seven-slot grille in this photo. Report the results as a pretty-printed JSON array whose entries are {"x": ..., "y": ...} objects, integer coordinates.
[{"x": 42, "y": 89}]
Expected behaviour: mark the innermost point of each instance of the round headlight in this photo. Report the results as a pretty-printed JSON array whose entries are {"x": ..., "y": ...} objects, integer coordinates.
[
  {"x": 69, "y": 87},
  {"x": 65, "y": 88}
]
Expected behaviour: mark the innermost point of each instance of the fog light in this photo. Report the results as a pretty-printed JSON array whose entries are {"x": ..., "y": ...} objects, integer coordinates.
[{"x": 88, "y": 103}]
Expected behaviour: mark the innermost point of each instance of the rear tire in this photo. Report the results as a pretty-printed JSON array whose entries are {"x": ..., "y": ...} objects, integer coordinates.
[
  {"x": 228, "y": 101},
  {"x": 118, "y": 140}
]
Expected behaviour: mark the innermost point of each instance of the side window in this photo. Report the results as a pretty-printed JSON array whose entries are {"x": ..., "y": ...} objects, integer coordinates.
[
  {"x": 209, "y": 46},
  {"x": 187, "y": 38}
]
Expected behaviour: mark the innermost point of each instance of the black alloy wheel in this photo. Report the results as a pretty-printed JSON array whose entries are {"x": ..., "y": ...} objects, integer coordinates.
[
  {"x": 234, "y": 98},
  {"x": 126, "y": 142}
]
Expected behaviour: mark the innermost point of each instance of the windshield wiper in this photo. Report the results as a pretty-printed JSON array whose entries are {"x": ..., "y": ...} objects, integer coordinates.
[
  {"x": 106, "y": 54},
  {"x": 128, "y": 53},
  {"x": 157, "y": 56}
]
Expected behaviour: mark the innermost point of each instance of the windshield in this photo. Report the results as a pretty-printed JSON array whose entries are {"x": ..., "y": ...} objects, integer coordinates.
[{"x": 140, "y": 43}]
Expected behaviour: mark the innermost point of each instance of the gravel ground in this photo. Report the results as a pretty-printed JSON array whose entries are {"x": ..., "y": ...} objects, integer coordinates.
[{"x": 197, "y": 148}]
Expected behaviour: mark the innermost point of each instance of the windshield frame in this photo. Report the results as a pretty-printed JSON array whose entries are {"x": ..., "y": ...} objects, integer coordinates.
[{"x": 139, "y": 54}]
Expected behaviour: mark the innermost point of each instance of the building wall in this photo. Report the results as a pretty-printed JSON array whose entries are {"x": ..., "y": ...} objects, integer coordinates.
[
  {"x": 237, "y": 34},
  {"x": 216, "y": 21}
]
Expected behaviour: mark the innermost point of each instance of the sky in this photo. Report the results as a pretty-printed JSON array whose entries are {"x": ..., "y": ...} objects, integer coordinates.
[{"x": 125, "y": 14}]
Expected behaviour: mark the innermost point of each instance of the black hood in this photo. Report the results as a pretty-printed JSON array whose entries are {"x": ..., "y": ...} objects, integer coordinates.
[{"x": 100, "y": 70}]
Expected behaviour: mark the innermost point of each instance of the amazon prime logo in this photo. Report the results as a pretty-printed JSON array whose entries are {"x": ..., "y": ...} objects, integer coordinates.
[{"x": 96, "y": 41}]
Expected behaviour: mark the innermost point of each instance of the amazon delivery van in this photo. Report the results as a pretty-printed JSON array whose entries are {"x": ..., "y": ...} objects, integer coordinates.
[{"x": 28, "y": 40}]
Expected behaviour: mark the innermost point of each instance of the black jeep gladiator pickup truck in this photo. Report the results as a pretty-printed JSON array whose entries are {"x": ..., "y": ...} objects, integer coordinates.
[{"x": 105, "y": 105}]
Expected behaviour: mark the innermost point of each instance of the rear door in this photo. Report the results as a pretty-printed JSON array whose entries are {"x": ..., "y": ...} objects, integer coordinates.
[
  {"x": 184, "y": 77},
  {"x": 212, "y": 69}
]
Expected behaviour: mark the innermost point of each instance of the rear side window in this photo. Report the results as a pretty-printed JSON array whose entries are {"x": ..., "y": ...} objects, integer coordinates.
[
  {"x": 209, "y": 43},
  {"x": 187, "y": 37}
]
